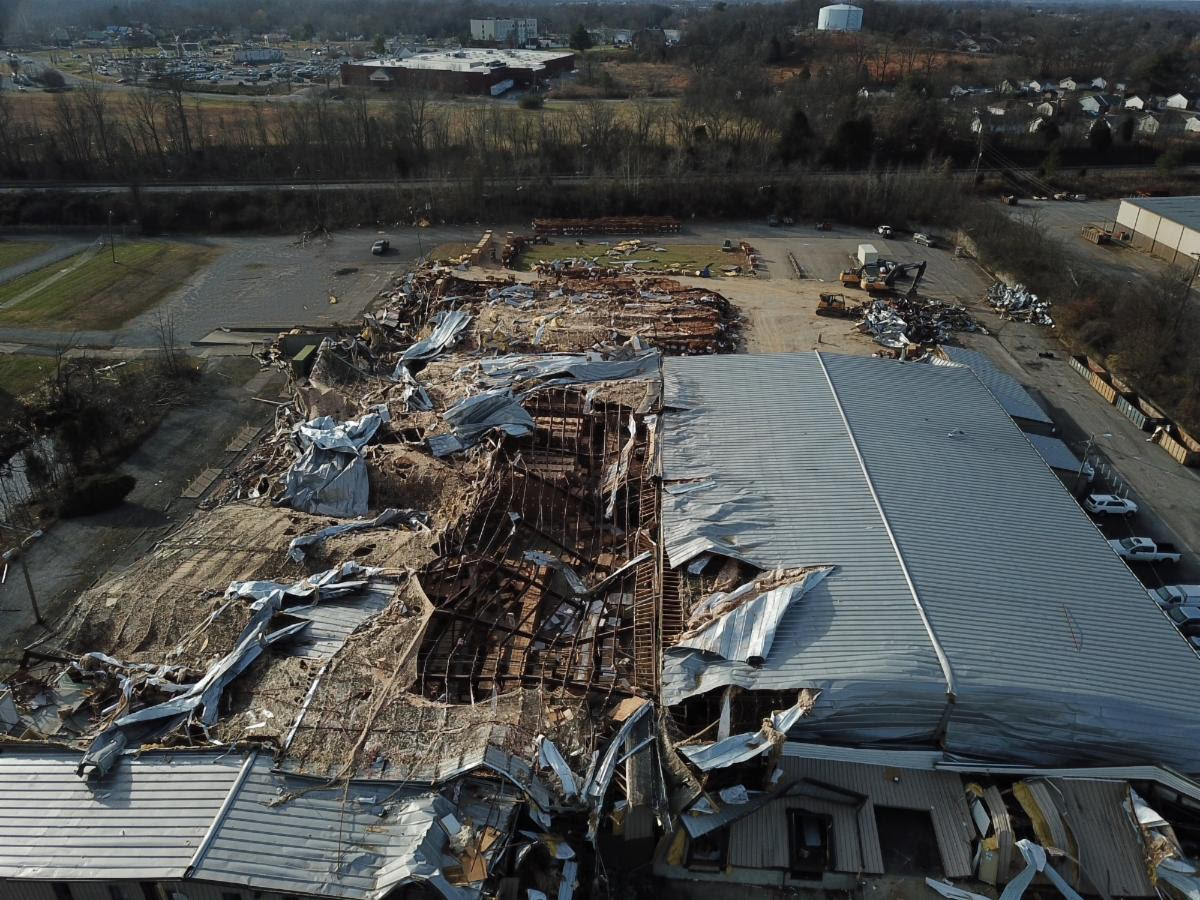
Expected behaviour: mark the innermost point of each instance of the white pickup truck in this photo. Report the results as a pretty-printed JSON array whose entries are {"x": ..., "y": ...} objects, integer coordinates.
[
  {"x": 1171, "y": 595},
  {"x": 1143, "y": 549}
]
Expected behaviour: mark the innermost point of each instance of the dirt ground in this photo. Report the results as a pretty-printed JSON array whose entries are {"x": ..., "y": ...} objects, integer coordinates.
[{"x": 191, "y": 440}]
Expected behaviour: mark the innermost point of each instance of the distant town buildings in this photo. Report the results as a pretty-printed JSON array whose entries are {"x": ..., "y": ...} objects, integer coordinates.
[
  {"x": 504, "y": 32},
  {"x": 466, "y": 71}
]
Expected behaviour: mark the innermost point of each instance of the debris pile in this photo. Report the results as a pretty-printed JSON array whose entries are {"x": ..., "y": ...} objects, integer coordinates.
[
  {"x": 1017, "y": 303},
  {"x": 899, "y": 321}
]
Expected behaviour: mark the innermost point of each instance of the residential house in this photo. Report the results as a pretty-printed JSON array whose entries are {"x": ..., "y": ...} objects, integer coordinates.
[
  {"x": 1037, "y": 86},
  {"x": 1191, "y": 126},
  {"x": 1069, "y": 84},
  {"x": 1097, "y": 104},
  {"x": 990, "y": 124},
  {"x": 1099, "y": 84},
  {"x": 1148, "y": 125},
  {"x": 673, "y": 36},
  {"x": 1135, "y": 102},
  {"x": 1008, "y": 86},
  {"x": 1046, "y": 108},
  {"x": 1177, "y": 101},
  {"x": 1119, "y": 87}
]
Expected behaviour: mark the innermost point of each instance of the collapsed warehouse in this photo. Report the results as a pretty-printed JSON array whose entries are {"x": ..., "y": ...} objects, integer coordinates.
[{"x": 535, "y": 590}]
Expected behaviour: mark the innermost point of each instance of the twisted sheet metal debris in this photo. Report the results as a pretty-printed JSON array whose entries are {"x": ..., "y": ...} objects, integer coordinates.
[
  {"x": 474, "y": 417},
  {"x": 330, "y": 476},
  {"x": 448, "y": 325},
  {"x": 740, "y": 748},
  {"x": 1018, "y": 303},
  {"x": 409, "y": 518},
  {"x": 740, "y": 625},
  {"x": 570, "y": 368},
  {"x": 198, "y": 703}
]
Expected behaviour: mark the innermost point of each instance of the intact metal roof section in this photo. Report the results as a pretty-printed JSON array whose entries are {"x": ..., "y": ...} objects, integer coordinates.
[
  {"x": 1055, "y": 452},
  {"x": 295, "y": 835},
  {"x": 1037, "y": 613},
  {"x": 145, "y": 821},
  {"x": 768, "y": 428},
  {"x": 1184, "y": 210},
  {"x": 1017, "y": 401}
]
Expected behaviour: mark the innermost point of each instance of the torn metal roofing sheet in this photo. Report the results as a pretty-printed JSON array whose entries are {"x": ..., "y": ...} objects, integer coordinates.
[
  {"x": 1009, "y": 393},
  {"x": 902, "y": 476},
  {"x": 741, "y": 625},
  {"x": 146, "y": 822}
]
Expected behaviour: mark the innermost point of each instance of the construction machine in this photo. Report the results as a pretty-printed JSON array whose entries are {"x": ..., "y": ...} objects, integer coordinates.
[{"x": 833, "y": 305}]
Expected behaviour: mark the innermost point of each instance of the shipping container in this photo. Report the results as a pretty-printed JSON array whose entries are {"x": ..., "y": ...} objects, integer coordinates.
[
  {"x": 1079, "y": 364},
  {"x": 1102, "y": 387},
  {"x": 1183, "y": 449}
]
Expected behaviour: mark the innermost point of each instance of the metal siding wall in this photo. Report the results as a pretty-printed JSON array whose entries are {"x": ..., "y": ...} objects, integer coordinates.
[
  {"x": 760, "y": 841},
  {"x": 1127, "y": 214},
  {"x": 939, "y": 793},
  {"x": 1189, "y": 247},
  {"x": 1147, "y": 229},
  {"x": 26, "y": 890}
]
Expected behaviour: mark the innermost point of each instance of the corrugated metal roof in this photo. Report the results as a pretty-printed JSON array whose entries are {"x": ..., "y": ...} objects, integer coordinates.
[
  {"x": 295, "y": 835},
  {"x": 761, "y": 428},
  {"x": 145, "y": 821},
  {"x": 1057, "y": 652},
  {"x": 332, "y": 621},
  {"x": 1009, "y": 393},
  {"x": 1055, "y": 452}
]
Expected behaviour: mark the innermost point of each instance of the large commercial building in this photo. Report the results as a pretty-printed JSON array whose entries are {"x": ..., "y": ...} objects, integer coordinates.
[
  {"x": 466, "y": 71},
  {"x": 1168, "y": 227},
  {"x": 504, "y": 32}
]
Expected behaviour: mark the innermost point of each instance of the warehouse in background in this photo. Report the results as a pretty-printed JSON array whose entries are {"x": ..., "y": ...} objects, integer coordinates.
[
  {"x": 1168, "y": 227},
  {"x": 466, "y": 71},
  {"x": 840, "y": 17},
  {"x": 504, "y": 32}
]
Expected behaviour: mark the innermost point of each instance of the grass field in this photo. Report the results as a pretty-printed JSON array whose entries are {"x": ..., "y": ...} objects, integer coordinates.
[
  {"x": 21, "y": 374},
  {"x": 13, "y": 252},
  {"x": 683, "y": 257},
  {"x": 89, "y": 292}
]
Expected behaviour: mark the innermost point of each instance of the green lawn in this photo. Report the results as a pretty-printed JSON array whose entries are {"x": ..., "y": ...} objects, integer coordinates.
[
  {"x": 684, "y": 257},
  {"x": 13, "y": 252},
  {"x": 96, "y": 294},
  {"x": 21, "y": 374}
]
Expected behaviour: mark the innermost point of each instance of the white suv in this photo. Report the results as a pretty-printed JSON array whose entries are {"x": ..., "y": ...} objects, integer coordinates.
[{"x": 1109, "y": 505}]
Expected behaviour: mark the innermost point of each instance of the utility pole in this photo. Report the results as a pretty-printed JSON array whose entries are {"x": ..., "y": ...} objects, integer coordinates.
[
  {"x": 979, "y": 151},
  {"x": 112, "y": 244},
  {"x": 18, "y": 553}
]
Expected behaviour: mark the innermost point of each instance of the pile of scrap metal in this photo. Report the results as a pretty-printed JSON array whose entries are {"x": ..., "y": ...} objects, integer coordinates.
[
  {"x": 1016, "y": 302},
  {"x": 898, "y": 321}
]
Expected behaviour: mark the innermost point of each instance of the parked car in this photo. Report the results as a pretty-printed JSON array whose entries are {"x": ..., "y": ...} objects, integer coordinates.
[
  {"x": 1144, "y": 549},
  {"x": 884, "y": 231},
  {"x": 380, "y": 247},
  {"x": 773, "y": 221},
  {"x": 1172, "y": 595},
  {"x": 921, "y": 237},
  {"x": 1186, "y": 619},
  {"x": 1109, "y": 505}
]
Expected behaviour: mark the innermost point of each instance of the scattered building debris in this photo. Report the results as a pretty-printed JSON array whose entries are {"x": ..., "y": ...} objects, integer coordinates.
[{"x": 1017, "y": 303}]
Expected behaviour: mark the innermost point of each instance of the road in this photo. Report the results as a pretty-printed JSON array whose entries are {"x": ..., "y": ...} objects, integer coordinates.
[{"x": 225, "y": 186}]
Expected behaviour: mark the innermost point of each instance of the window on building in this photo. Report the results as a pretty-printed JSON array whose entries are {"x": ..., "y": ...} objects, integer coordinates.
[
  {"x": 810, "y": 843},
  {"x": 708, "y": 852},
  {"x": 61, "y": 891}
]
